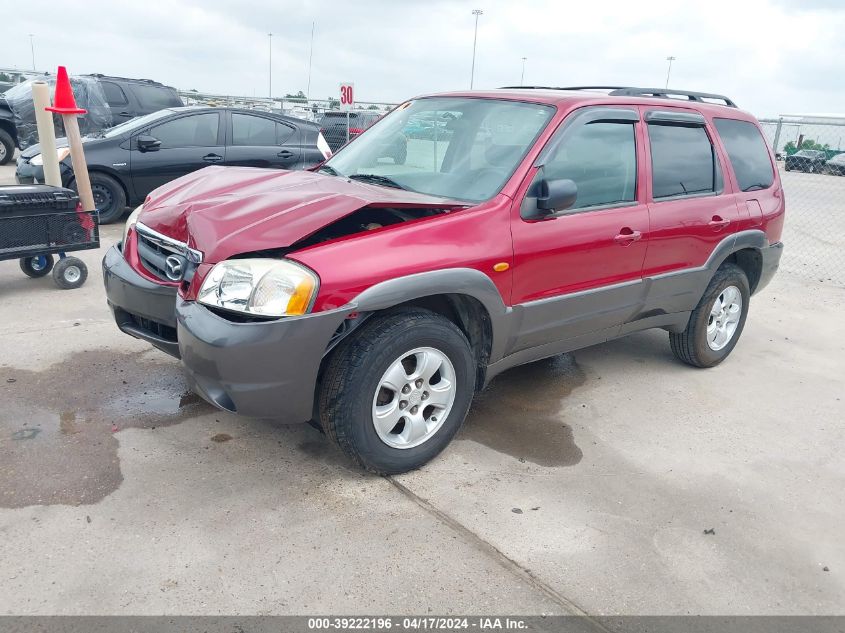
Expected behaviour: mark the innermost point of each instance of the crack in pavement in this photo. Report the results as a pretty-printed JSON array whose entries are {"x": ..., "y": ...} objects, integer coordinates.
[{"x": 499, "y": 556}]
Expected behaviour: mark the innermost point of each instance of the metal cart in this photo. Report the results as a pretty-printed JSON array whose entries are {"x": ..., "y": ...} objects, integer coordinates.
[{"x": 40, "y": 221}]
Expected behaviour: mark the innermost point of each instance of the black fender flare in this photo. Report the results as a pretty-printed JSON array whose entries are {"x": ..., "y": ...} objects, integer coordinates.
[{"x": 461, "y": 281}]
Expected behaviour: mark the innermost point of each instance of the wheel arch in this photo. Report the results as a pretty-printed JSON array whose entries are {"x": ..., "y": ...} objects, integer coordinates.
[
  {"x": 745, "y": 250},
  {"x": 106, "y": 172},
  {"x": 8, "y": 126},
  {"x": 465, "y": 296}
]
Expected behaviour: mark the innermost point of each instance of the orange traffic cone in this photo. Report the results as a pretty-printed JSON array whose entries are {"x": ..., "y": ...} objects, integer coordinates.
[{"x": 64, "y": 102}]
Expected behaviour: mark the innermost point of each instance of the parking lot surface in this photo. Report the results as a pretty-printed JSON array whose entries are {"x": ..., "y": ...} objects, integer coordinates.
[{"x": 610, "y": 481}]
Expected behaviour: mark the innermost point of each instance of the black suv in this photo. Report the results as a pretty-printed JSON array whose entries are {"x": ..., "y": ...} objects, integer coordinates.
[{"x": 125, "y": 99}]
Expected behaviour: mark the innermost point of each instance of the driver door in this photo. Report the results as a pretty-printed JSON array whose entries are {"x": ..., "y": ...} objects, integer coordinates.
[
  {"x": 577, "y": 273},
  {"x": 188, "y": 143}
]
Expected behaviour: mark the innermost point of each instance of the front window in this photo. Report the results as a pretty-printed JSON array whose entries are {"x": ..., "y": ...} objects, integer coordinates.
[{"x": 459, "y": 148}]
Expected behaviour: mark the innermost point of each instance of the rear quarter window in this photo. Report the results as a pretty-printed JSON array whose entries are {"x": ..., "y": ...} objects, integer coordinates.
[
  {"x": 747, "y": 152},
  {"x": 154, "y": 98}
]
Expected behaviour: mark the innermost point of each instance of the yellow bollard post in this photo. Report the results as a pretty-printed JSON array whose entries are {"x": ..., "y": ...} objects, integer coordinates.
[{"x": 46, "y": 133}]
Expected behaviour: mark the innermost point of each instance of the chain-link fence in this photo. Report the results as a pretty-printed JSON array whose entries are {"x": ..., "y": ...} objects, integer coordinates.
[{"x": 811, "y": 160}]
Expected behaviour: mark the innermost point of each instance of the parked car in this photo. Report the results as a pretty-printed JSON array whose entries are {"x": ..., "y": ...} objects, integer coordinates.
[
  {"x": 333, "y": 128},
  {"x": 128, "y": 161},
  {"x": 808, "y": 160},
  {"x": 378, "y": 297},
  {"x": 836, "y": 165},
  {"x": 125, "y": 99}
]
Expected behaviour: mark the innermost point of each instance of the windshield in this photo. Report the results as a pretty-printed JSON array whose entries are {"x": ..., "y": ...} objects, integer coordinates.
[
  {"x": 452, "y": 147},
  {"x": 808, "y": 153},
  {"x": 137, "y": 122}
]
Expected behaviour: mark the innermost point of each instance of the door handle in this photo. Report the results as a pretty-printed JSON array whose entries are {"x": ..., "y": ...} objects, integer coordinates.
[
  {"x": 129, "y": 114},
  {"x": 627, "y": 236},
  {"x": 718, "y": 223},
  {"x": 285, "y": 154},
  {"x": 212, "y": 158}
]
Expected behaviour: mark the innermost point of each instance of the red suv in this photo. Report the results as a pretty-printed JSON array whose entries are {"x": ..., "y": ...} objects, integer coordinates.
[{"x": 377, "y": 296}]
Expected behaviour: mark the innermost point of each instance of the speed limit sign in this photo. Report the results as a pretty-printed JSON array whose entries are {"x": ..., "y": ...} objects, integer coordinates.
[{"x": 347, "y": 96}]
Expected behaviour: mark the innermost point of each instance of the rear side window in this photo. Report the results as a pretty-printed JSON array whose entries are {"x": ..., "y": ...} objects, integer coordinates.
[
  {"x": 198, "y": 130},
  {"x": 601, "y": 158},
  {"x": 114, "y": 94},
  {"x": 748, "y": 153},
  {"x": 154, "y": 98},
  {"x": 252, "y": 130},
  {"x": 682, "y": 161}
]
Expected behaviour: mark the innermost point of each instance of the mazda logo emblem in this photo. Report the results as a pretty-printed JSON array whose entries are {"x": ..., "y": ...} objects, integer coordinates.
[{"x": 174, "y": 267}]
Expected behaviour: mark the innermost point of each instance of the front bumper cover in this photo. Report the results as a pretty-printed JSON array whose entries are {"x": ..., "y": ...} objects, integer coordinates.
[
  {"x": 141, "y": 308},
  {"x": 265, "y": 369}
]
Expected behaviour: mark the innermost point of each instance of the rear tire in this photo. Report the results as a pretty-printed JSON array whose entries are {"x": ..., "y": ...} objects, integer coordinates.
[
  {"x": 7, "y": 147},
  {"x": 37, "y": 266},
  {"x": 70, "y": 273},
  {"x": 703, "y": 343},
  {"x": 386, "y": 429}
]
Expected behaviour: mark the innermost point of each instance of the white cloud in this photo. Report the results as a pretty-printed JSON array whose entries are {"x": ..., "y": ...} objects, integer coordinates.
[{"x": 771, "y": 56}]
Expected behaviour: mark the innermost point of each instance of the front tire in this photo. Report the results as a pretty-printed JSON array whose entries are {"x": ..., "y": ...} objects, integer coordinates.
[
  {"x": 717, "y": 322},
  {"x": 70, "y": 273},
  {"x": 7, "y": 147},
  {"x": 396, "y": 392},
  {"x": 109, "y": 197}
]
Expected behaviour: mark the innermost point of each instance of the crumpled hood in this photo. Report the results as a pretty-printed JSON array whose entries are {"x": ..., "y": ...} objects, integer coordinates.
[{"x": 223, "y": 211}]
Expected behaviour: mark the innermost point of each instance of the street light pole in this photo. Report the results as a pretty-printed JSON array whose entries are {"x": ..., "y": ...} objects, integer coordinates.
[
  {"x": 669, "y": 59},
  {"x": 310, "y": 57},
  {"x": 32, "y": 49},
  {"x": 270, "y": 65},
  {"x": 522, "y": 76},
  {"x": 476, "y": 13}
]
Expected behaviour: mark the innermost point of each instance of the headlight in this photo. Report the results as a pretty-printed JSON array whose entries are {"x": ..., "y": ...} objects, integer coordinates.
[
  {"x": 263, "y": 287},
  {"x": 130, "y": 222},
  {"x": 61, "y": 154}
]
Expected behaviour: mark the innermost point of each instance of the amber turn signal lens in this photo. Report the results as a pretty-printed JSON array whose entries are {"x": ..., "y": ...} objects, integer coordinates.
[
  {"x": 301, "y": 297},
  {"x": 501, "y": 267}
]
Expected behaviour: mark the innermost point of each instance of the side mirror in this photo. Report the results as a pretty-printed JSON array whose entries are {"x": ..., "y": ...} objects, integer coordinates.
[
  {"x": 147, "y": 143},
  {"x": 556, "y": 195}
]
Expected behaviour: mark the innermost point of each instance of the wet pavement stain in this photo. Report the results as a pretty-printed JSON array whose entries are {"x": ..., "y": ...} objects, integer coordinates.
[
  {"x": 518, "y": 414},
  {"x": 221, "y": 437},
  {"x": 56, "y": 426}
]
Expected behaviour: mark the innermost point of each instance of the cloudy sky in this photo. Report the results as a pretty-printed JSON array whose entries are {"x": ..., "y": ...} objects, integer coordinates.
[{"x": 771, "y": 56}]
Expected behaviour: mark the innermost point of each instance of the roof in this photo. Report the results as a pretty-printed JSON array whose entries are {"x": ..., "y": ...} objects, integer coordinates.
[{"x": 604, "y": 95}]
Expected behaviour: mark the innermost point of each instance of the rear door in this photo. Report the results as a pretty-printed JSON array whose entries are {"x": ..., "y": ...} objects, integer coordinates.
[
  {"x": 262, "y": 141},
  {"x": 691, "y": 209},
  {"x": 578, "y": 273},
  {"x": 120, "y": 103},
  {"x": 188, "y": 142}
]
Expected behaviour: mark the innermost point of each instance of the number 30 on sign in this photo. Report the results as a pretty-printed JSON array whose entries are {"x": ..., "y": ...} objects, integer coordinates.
[{"x": 347, "y": 96}]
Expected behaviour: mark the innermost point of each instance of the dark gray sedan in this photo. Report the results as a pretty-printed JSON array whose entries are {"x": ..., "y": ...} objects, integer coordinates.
[{"x": 128, "y": 161}]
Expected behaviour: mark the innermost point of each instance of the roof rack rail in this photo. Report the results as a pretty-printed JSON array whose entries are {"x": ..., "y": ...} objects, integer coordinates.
[{"x": 629, "y": 91}]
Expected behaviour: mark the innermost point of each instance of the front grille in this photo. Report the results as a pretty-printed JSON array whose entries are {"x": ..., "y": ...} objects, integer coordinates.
[
  {"x": 159, "y": 329},
  {"x": 154, "y": 249}
]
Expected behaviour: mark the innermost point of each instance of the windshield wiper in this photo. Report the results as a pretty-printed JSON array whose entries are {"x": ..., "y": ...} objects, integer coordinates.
[
  {"x": 325, "y": 169},
  {"x": 377, "y": 179},
  {"x": 757, "y": 187}
]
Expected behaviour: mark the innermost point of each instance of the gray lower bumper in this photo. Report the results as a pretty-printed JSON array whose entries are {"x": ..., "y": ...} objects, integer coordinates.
[
  {"x": 265, "y": 369},
  {"x": 771, "y": 261},
  {"x": 141, "y": 308}
]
